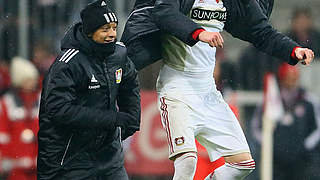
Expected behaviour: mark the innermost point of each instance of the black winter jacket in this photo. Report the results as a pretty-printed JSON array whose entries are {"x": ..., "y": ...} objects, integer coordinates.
[
  {"x": 246, "y": 20},
  {"x": 81, "y": 94}
]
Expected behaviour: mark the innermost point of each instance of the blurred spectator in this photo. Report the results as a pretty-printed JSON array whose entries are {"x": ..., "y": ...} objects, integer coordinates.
[
  {"x": 43, "y": 57},
  {"x": 293, "y": 142},
  {"x": 19, "y": 123},
  {"x": 303, "y": 30}
]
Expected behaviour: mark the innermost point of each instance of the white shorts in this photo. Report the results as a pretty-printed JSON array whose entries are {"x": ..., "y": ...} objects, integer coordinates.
[{"x": 205, "y": 117}]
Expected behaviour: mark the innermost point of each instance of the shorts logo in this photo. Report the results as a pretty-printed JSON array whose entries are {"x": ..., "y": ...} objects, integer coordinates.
[
  {"x": 118, "y": 75},
  {"x": 179, "y": 141}
]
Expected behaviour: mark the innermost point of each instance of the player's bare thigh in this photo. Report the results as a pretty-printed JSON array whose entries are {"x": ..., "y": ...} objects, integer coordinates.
[{"x": 238, "y": 158}]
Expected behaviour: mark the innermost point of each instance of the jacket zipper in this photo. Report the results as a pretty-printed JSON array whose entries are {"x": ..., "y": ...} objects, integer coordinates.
[
  {"x": 66, "y": 150},
  {"x": 105, "y": 71},
  {"x": 120, "y": 135}
]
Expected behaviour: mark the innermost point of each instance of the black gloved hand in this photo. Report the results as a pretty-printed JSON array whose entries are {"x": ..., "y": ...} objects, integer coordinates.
[
  {"x": 127, "y": 133},
  {"x": 128, "y": 123}
]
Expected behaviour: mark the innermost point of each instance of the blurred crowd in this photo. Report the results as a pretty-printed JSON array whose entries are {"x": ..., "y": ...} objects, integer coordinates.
[{"x": 297, "y": 134}]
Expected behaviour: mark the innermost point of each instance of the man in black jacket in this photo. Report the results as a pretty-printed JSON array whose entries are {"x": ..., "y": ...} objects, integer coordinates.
[
  {"x": 191, "y": 106},
  {"x": 89, "y": 103}
]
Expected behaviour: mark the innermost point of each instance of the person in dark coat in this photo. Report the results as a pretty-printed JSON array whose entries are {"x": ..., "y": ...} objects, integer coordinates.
[
  {"x": 296, "y": 131},
  {"x": 303, "y": 29},
  {"x": 90, "y": 101}
]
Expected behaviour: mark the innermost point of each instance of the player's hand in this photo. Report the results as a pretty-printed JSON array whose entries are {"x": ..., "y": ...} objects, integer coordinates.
[
  {"x": 214, "y": 39},
  {"x": 304, "y": 55}
]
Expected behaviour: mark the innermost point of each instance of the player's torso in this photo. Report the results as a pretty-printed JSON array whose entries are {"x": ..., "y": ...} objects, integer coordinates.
[
  {"x": 211, "y": 15},
  {"x": 190, "y": 69}
]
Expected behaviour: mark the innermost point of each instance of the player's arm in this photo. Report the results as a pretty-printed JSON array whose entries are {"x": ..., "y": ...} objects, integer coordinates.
[
  {"x": 170, "y": 19},
  {"x": 255, "y": 28}
]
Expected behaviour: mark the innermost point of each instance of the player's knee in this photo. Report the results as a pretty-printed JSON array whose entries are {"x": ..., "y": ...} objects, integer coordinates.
[
  {"x": 187, "y": 161},
  {"x": 244, "y": 168},
  {"x": 234, "y": 171},
  {"x": 185, "y": 166}
]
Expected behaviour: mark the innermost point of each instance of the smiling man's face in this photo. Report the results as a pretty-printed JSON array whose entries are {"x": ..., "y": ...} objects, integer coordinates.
[{"x": 106, "y": 33}]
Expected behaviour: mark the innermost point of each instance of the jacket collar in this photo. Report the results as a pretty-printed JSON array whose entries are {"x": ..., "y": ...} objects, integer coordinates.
[{"x": 93, "y": 48}]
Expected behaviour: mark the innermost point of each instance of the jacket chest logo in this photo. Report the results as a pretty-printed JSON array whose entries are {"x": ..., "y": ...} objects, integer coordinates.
[
  {"x": 118, "y": 75},
  {"x": 94, "y": 84},
  {"x": 93, "y": 79},
  {"x": 208, "y": 15}
]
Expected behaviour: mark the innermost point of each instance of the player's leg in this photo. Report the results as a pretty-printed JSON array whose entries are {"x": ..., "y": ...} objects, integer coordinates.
[
  {"x": 176, "y": 119},
  {"x": 204, "y": 166},
  {"x": 223, "y": 136},
  {"x": 237, "y": 167},
  {"x": 185, "y": 166}
]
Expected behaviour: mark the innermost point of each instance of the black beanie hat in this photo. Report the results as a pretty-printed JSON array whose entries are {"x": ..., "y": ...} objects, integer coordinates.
[{"x": 95, "y": 15}]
